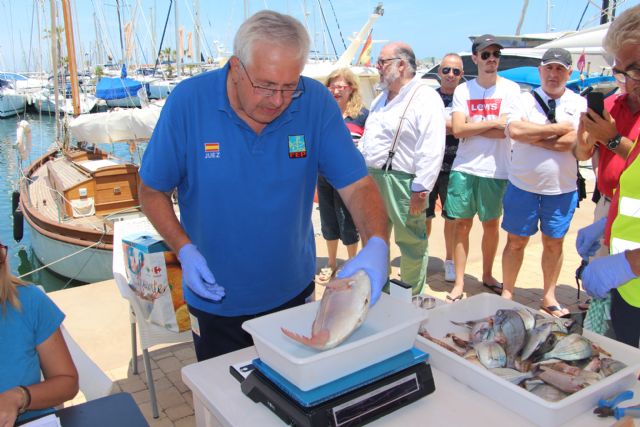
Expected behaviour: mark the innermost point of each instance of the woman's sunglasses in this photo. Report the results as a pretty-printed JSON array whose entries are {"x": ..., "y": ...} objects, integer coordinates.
[
  {"x": 485, "y": 55},
  {"x": 447, "y": 70}
]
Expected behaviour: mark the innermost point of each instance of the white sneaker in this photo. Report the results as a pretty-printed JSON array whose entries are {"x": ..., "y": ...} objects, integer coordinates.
[{"x": 449, "y": 271}]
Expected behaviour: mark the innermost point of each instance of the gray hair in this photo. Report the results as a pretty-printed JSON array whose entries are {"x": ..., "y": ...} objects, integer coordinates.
[
  {"x": 283, "y": 30},
  {"x": 455, "y": 55},
  {"x": 405, "y": 52},
  {"x": 623, "y": 31}
]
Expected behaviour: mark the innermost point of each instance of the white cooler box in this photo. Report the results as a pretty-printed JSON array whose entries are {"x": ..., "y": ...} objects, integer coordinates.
[
  {"x": 510, "y": 396},
  {"x": 389, "y": 329}
]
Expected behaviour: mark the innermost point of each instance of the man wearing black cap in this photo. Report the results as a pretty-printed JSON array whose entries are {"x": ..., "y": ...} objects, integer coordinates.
[
  {"x": 542, "y": 188},
  {"x": 479, "y": 173}
]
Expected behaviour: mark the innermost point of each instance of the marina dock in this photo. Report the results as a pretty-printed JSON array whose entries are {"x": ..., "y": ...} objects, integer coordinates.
[{"x": 97, "y": 317}]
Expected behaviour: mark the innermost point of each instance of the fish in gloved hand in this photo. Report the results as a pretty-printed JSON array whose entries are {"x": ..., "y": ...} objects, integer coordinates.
[{"x": 343, "y": 308}]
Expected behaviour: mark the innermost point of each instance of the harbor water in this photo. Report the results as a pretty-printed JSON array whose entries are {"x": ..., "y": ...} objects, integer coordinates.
[{"x": 21, "y": 257}]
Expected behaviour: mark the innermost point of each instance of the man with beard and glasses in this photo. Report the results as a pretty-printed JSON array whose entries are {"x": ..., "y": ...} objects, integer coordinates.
[
  {"x": 616, "y": 276},
  {"x": 403, "y": 147},
  {"x": 244, "y": 145},
  {"x": 542, "y": 178},
  {"x": 450, "y": 73},
  {"x": 479, "y": 174}
]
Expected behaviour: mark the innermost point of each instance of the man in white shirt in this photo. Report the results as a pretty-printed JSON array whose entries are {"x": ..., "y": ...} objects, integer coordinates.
[
  {"x": 403, "y": 147},
  {"x": 479, "y": 173},
  {"x": 542, "y": 179}
]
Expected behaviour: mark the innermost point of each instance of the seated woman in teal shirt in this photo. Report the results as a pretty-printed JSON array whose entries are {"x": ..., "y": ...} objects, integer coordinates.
[{"x": 31, "y": 348}]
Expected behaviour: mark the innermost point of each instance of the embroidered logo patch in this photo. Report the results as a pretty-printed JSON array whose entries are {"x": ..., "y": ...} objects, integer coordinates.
[
  {"x": 211, "y": 150},
  {"x": 297, "y": 147}
]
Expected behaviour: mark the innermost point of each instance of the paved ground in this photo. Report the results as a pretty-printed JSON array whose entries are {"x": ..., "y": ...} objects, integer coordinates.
[{"x": 97, "y": 317}]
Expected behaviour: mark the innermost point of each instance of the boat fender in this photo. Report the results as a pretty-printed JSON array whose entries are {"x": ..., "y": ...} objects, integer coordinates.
[
  {"x": 23, "y": 139},
  {"x": 15, "y": 200},
  {"x": 18, "y": 224}
]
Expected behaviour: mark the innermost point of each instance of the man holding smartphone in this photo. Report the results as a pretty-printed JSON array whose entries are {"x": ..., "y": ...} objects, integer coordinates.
[
  {"x": 616, "y": 275},
  {"x": 542, "y": 188}
]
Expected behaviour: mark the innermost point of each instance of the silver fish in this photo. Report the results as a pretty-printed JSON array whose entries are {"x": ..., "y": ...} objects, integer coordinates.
[
  {"x": 548, "y": 392},
  {"x": 343, "y": 308},
  {"x": 564, "y": 382},
  {"x": 511, "y": 375},
  {"x": 481, "y": 331},
  {"x": 537, "y": 337},
  {"x": 527, "y": 317},
  {"x": 571, "y": 347},
  {"x": 509, "y": 324},
  {"x": 491, "y": 354},
  {"x": 610, "y": 366}
]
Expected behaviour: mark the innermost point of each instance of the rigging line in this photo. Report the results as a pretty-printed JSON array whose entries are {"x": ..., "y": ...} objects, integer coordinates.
[
  {"x": 61, "y": 259},
  {"x": 33, "y": 13},
  {"x": 327, "y": 26},
  {"x": 586, "y": 6},
  {"x": 164, "y": 31},
  {"x": 338, "y": 25}
]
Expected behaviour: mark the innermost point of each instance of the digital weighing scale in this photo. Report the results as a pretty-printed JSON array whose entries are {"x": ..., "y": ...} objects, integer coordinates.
[{"x": 355, "y": 399}]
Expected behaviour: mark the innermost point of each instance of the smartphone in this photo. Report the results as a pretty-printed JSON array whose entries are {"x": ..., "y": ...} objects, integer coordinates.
[{"x": 595, "y": 101}]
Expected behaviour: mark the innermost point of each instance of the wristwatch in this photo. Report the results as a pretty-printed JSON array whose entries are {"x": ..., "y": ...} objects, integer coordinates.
[{"x": 614, "y": 142}]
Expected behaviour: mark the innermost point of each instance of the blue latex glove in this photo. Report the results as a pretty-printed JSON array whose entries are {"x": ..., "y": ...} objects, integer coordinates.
[
  {"x": 588, "y": 240},
  {"x": 606, "y": 273},
  {"x": 197, "y": 275},
  {"x": 374, "y": 260}
]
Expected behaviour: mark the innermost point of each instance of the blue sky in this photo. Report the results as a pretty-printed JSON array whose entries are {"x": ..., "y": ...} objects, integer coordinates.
[{"x": 431, "y": 27}]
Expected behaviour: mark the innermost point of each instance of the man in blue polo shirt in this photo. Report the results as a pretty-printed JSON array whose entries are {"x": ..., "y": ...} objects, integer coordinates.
[{"x": 243, "y": 146}]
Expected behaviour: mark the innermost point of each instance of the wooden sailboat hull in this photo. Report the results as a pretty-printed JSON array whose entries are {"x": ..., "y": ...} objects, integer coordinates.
[{"x": 77, "y": 247}]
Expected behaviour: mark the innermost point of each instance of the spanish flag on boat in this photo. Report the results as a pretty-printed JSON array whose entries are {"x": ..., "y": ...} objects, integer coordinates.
[{"x": 365, "y": 56}]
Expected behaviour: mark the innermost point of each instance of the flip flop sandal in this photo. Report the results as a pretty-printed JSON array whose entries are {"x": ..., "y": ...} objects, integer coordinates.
[
  {"x": 326, "y": 274},
  {"x": 452, "y": 300},
  {"x": 496, "y": 289},
  {"x": 553, "y": 310}
]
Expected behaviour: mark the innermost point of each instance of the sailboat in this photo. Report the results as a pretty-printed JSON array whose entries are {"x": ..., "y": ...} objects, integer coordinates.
[
  {"x": 368, "y": 77},
  {"x": 71, "y": 196}
]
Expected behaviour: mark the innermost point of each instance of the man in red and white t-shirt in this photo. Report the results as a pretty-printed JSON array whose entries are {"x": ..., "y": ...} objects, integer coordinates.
[{"x": 479, "y": 173}]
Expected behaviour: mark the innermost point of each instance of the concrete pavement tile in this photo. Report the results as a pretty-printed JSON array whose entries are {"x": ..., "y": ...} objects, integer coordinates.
[
  {"x": 169, "y": 364},
  {"x": 162, "y": 383},
  {"x": 141, "y": 396},
  {"x": 176, "y": 378},
  {"x": 190, "y": 421},
  {"x": 161, "y": 422},
  {"x": 132, "y": 384},
  {"x": 178, "y": 412},
  {"x": 188, "y": 397},
  {"x": 169, "y": 398}
]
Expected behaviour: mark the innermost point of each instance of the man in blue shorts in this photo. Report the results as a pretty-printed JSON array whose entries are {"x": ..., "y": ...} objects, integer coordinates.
[
  {"x": 243, "y": 146},
  {"x": 542, "y": 178}
]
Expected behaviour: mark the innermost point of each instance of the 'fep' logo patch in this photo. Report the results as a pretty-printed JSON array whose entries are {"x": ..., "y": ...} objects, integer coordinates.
[
  {"x": 484, "y": 107},
  {"x": 297, "y": 147}
]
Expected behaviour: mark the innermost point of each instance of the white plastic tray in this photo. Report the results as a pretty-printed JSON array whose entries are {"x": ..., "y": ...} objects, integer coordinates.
[
  {"x": 510, "y": 396},
  {"x": 389, "y": 329}
]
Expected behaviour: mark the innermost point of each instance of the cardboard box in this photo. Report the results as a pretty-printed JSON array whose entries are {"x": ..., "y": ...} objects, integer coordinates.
[
  {"x": 389, "y": 329},
  {"x": 155, "y": 276},
  {"x": 510, "y": 396}
]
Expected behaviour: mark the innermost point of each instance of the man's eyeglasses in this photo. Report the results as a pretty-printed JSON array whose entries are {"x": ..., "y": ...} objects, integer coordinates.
[
  {"x": 381, "y": 61},
  {"x": 447, "y": 70},
  {"x": 267, "y": 91},
  {"x": 485, "y": 55},
  {"x": 622, "y": 76},
  {"x": 338, "y": 87}
]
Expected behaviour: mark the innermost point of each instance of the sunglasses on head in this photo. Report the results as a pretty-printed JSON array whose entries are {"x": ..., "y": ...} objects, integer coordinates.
[
  {"x": 485, "y": 55},
  {"x": 447, "y": 70}
]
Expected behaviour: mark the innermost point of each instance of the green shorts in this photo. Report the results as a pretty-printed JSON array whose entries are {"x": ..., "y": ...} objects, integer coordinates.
[{"x": 469, "y": 194}]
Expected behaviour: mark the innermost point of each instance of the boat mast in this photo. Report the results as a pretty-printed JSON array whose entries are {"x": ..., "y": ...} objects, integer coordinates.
[
  {"x": 71, "y": 52},
  {"x": 178, "y": 41},
  {"x": 348, "y": 55},
  {"x": 197, "y": 30},
  {"x": 54, "y": 63}
]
